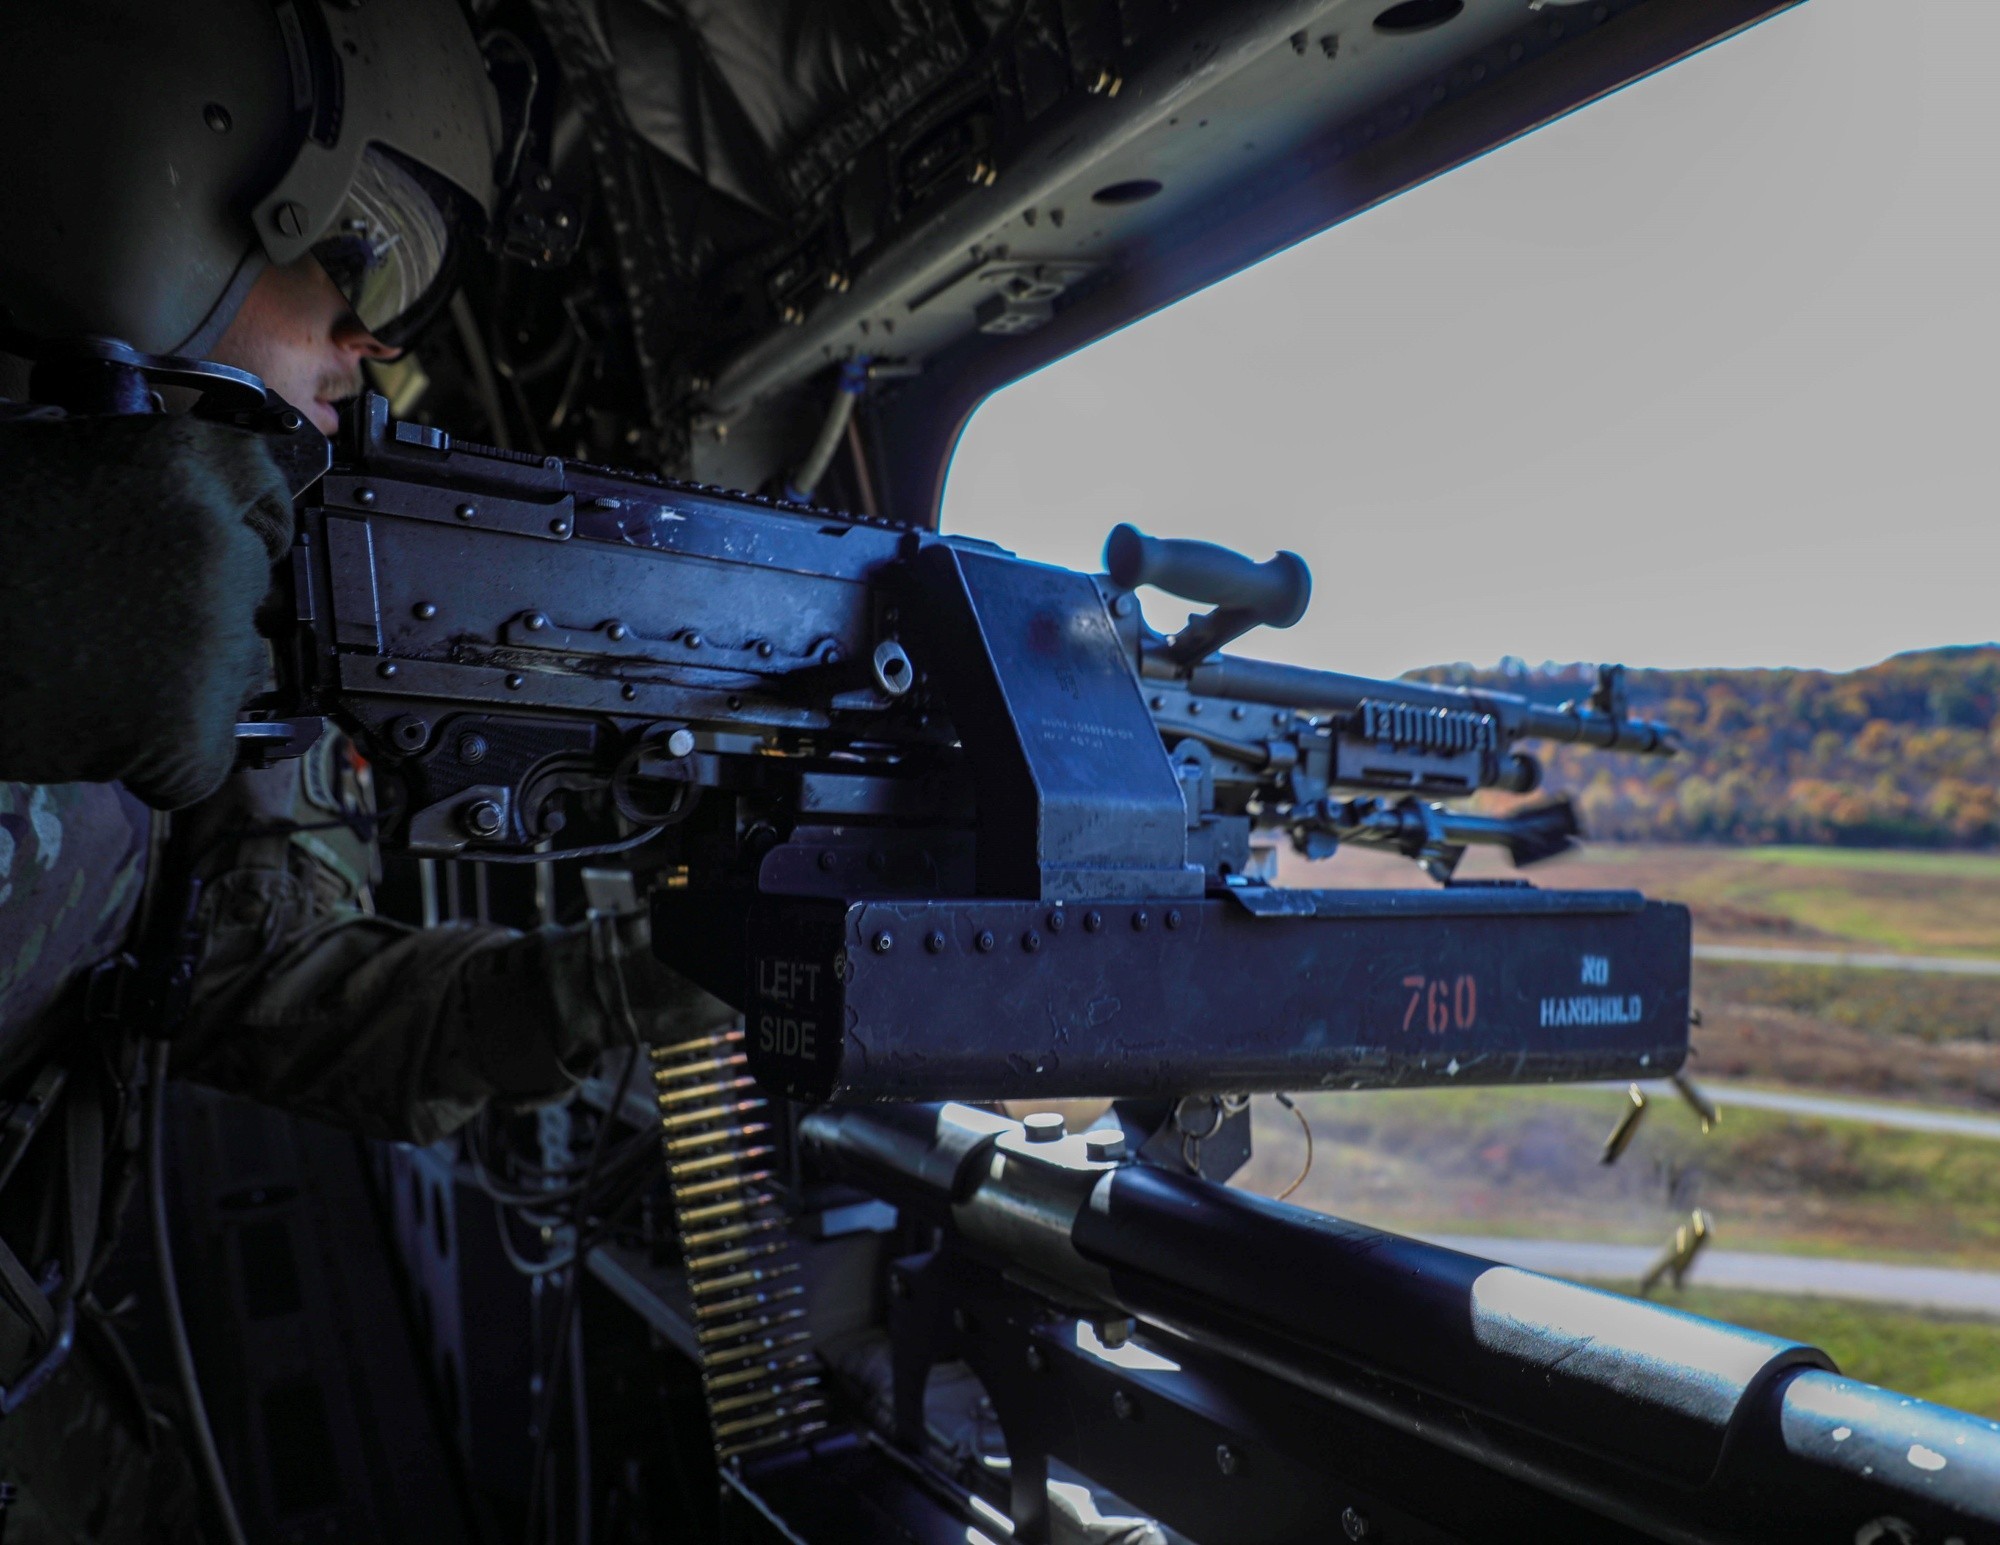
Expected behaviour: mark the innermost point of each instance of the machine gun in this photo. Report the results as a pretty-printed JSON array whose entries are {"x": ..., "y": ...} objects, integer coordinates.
[{"x": 945, "y": 823}]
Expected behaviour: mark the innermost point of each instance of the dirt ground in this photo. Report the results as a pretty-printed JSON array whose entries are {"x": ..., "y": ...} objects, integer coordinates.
[{"x": 1783, "y": 1046}]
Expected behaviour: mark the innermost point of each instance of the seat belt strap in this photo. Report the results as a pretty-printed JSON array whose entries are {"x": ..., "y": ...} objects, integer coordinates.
[{"x": 83, "y": 1176}]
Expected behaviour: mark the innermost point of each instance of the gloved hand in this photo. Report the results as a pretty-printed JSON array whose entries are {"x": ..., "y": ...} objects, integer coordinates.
[
  {"x": 550, "y": 1002},
  {"x": 133, "y": 554}
]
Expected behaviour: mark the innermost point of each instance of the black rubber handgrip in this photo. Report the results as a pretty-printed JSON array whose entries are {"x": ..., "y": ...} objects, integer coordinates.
[{"x": 1275, "y": 593}]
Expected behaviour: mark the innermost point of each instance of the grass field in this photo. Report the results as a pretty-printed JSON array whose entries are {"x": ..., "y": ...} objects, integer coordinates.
[
  {"x": 1527, "y": 1162},
  {"x": 1833, "y": 898},
  {"x": 1895, "y": 1034}
]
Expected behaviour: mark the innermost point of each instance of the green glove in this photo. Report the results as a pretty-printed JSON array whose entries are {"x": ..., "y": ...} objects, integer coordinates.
[{"x": 133, "y": 554}]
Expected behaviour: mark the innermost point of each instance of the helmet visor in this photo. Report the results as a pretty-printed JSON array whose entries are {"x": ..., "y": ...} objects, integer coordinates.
[{"x": 387, "y": 249}]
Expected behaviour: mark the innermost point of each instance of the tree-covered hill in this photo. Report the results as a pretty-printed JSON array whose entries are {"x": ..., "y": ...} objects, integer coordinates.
[{"x": 1904, "y": 753}]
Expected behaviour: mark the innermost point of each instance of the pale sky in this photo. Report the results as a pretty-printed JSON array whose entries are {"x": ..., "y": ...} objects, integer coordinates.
[{"x": 1701, "y": 375}]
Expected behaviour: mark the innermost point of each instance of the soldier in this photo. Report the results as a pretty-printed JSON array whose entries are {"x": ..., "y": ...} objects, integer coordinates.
[{"x": 285, "y": 189}]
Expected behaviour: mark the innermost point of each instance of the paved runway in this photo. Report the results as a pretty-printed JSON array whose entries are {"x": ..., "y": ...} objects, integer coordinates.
[
  {"x": 1880, "y": 1113},
  {"x": 1860, "y": 960},
  {"x": 1923, "y": 1287}
]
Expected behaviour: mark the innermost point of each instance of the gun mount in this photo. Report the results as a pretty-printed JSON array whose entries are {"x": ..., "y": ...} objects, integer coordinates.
[
  {"x": 869, "y": 773},
  {"x": 1246, "y": 1371}
]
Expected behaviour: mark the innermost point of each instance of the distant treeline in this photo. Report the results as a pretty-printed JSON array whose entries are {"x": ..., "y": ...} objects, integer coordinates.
[{"x": 1905, "y": 753}]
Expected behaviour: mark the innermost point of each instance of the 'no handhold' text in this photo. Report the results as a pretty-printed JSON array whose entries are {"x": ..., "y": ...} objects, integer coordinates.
[{"x": 1592, "y": 1009}]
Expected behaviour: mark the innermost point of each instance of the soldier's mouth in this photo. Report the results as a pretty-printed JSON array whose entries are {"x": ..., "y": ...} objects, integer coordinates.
[{"x": 333, "y": 389}]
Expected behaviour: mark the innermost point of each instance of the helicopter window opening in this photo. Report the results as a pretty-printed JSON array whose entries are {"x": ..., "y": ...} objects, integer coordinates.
[
  {"x": 1418, "y": 15},
  {"x": 1137, "y": 191}
]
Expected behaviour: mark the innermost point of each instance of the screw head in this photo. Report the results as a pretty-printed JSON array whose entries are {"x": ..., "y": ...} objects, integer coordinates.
[
  {"x": 425, "y": 610},
  {"x": 1226, "y": 1459},
  {"x": 1057, "y": 920},
  {"x": 482, "y": 818},
  {"x": 516, "y": 681},
  {"x": 934, "y": 942},
  {"x": 290, "y": 218},
  {"x": 472, "y": 748},
  {"x": 559, "y": 527},
  {"x": 628, "y": 692},
  {"x": 1093, "y": 920},
  {"x": 883, "y": 942},
  {"x": 693, "y": 641},
  {"x": 1356, "y": 1526},
  {"x": 409, "y": 732},
  {"x": 364, "y": 496},
  {"x": 386, "y": 668},
  {"x": 1173, "y": 917},
  {"x": 466, "y": 511},
  {"x": 534, "y": 622},
  {"x": 1031, "y": 941},
  {"x": 681, "y": 743},
  {"x": 1104, "y": 1147},
  {"x": 765, "y": 649},
  {"x": 216, "y": 116},
  {"x": 617, "y": 632},
  {"x": 1141, "y": 920},
  {"x": 1045, "y": 1126},
  {"x": 985, "y": 940},
  {"x": 827, "y": 861}
]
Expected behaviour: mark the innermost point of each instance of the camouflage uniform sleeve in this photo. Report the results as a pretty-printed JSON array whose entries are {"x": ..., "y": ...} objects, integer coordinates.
[{"x": 306, "y": 1000}]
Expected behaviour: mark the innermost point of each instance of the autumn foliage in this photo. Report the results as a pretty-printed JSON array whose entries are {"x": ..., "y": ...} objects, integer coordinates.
[{"x": 1905, "y": 753}]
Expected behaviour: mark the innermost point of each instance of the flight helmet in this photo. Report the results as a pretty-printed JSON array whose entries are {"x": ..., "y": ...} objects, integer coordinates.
[{"x": 154, "y": 158}]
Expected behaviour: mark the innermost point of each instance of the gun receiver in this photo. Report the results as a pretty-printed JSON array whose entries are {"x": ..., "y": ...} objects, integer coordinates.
[{"x": 867, "y": 771}]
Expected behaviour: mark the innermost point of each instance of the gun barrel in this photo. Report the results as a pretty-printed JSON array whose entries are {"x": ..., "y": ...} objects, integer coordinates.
[{"x": 1298, "y": 686}]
